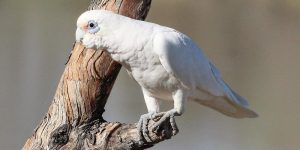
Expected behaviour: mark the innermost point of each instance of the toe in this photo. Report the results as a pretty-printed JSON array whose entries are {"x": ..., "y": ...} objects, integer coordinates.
[
  {"x": 174, "y": 126},
  {"x": 145, "y": 129},
  {"x": 143, "y": 126}
]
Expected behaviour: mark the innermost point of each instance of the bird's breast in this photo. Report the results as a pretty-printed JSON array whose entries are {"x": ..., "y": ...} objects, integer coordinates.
[
  {"x": 145, "y": 67},
  {"x": 156, "y": 80}
]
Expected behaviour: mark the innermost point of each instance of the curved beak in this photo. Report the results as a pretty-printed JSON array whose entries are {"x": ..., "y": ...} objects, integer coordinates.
[{"x": 79, "y": 35}]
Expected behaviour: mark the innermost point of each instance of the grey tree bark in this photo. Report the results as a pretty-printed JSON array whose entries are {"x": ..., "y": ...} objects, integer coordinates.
[{"x": 74, "y": 119}]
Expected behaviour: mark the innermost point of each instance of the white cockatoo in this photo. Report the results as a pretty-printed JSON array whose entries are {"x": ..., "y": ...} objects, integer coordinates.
[{"x": 167, "y": 64}]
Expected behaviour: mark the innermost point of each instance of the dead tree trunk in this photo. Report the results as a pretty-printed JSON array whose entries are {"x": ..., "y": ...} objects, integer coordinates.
[{"x": 74, "y": 119}]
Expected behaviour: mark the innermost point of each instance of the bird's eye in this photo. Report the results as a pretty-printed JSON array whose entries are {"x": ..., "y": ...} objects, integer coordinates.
[
  {"x": 93, "y": 27},
  {"x": 92, "y": 24}
]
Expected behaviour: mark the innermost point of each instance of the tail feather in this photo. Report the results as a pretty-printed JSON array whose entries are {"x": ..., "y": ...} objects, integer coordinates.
[
  {"x": 231, "y": 104},
  {"x": 239, "y": 104},
  {"x": 228, "y": 107}
]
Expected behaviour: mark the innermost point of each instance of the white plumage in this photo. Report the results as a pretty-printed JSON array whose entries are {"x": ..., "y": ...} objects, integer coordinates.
[{"x": 167, "y": 64}]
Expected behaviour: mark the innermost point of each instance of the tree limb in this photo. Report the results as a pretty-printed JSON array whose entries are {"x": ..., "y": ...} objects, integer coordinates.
[{"x": 74, "y": 119}]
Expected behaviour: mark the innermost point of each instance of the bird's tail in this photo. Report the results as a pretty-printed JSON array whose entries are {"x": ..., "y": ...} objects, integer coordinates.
[
  {"x": 228, "y": 107},
  {"x": 231, "y": 104}
]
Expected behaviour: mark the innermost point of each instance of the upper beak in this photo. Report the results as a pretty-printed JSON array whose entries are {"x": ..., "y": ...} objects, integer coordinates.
[{"x": 79, "y": 35}]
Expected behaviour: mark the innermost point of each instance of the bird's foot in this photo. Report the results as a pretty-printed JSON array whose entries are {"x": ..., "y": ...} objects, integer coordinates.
[
  {"x": 143, "y": 126},
  {"x": 167, "y": 115}
]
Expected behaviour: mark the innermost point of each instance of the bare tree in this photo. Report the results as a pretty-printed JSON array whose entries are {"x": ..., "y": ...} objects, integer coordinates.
[{"x": 74, "y": 119}]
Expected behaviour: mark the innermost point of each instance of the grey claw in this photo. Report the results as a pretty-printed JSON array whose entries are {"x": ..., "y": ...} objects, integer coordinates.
[
  {"x": 139, "y": 128},
  {"x": 174, "y": 126},
  {"x": 143, "y": 127},
  {"x": 168, "y": 115}
]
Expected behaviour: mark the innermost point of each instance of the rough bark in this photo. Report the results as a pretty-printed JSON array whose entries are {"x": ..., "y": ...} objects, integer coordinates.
[{"x": 74, "y": 119}]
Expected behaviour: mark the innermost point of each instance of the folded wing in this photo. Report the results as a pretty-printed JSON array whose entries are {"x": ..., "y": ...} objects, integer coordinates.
[{"x": 182, "y": 58}]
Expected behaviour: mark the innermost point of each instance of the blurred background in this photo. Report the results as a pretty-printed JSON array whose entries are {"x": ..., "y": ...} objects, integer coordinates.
[{"x": 254, "y": 43}]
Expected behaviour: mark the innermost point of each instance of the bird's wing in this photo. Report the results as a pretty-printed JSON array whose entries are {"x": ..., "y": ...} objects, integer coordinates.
[{"x": 182, "y": 58}]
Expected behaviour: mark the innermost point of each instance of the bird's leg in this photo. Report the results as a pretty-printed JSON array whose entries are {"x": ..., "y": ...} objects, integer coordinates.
[
  {"x": 179, "y": 98},
  {"x": 153, "y": 108}
]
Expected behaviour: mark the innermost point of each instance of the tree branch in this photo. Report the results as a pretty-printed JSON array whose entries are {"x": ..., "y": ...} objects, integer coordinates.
[{"x": 74, "y": 119}]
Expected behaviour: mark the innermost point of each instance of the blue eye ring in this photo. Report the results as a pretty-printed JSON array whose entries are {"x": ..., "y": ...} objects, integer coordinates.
[{"x": 93, "y": 26}]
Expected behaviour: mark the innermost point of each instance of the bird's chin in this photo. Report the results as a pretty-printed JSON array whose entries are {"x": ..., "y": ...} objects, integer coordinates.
[
  {"x": 88, "y": 43},
  {"x": 93, "y": 46},
  {"x": 90, "y": 46}
]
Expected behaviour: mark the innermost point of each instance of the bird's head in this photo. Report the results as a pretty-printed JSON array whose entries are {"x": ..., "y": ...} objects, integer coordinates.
[{"x": 91, "y": 28}]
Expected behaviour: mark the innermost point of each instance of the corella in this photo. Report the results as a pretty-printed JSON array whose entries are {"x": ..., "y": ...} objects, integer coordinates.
[{"x": 167, "y": 64}]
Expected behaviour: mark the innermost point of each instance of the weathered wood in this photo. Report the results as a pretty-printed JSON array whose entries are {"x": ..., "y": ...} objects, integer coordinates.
[{"x": 74, "y": 119}]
